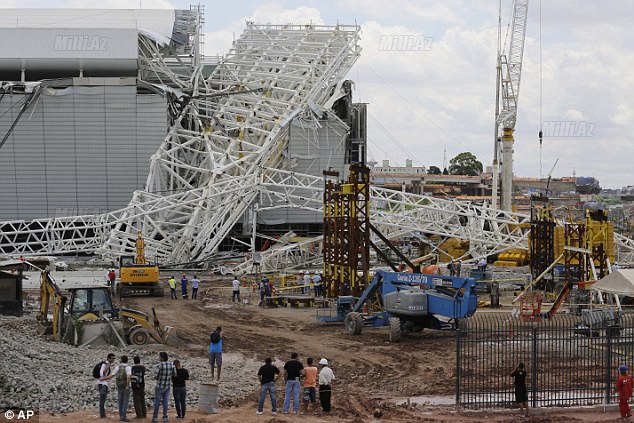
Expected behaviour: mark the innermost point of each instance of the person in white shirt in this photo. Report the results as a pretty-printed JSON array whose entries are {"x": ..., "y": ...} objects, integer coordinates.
[
  {"x": 307, "y": 283},
  {"x": 326, "y": 376},
  {"x": 317, "y": 283},
  {"x": 105, "y": 374},
  {"x": 195, "y": 283},
  {"x": 236, "y": 289}
]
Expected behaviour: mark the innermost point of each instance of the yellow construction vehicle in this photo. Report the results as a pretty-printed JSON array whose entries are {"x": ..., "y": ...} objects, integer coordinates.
[
  {"x": 137, "y": 276},
  {"x": 51, "y": 294},
  {"x": 90, "y": 317}
]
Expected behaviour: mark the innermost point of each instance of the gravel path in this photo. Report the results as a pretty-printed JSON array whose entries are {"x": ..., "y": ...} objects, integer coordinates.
[{"x": 53, "y": 377}]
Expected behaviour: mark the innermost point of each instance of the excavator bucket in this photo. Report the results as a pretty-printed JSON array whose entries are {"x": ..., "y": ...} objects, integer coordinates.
[{"x": 170, "y": 336}]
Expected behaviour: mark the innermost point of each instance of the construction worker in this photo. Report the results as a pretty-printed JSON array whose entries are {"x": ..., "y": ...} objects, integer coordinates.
[
  {"x": 306, "y": 282},
  {"x": 317, "y": 284},
  {"x": 300, "y": 280},
  {"x": 195, "y": 283},
  {"x": 172, "y": 283},
  {"x": 624, "y": 389},
  {"x": 184, "y": 286},
  {"x": 112, "y": 276},
  {"x": 325, "y": 378},
  {"x": 235, "y": 289},
  {"x": 482, "y": 264}
]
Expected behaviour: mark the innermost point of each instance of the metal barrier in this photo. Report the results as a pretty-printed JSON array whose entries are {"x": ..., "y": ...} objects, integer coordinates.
[{"x": 570, "y": 360}]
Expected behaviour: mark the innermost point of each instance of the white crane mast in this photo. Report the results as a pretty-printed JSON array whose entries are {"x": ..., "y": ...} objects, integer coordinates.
[{"x": 509, "y": 71}]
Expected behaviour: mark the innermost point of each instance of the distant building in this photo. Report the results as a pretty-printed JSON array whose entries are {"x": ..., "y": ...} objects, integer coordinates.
[{"x": 416, "y": 180}]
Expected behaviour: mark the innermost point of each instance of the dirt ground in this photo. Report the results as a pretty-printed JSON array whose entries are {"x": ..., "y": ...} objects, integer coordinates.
[{"x": 370, "y": 372}]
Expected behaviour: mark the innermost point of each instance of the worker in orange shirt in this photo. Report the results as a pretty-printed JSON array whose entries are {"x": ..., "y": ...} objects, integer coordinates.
[{"x": 624, "y": 388}]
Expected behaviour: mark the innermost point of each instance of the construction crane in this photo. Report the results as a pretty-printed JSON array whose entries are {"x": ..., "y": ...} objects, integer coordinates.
[{"x": 509, "y": 70}]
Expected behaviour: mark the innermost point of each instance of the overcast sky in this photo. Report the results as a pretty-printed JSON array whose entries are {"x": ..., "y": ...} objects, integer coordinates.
[{"x": 441, "y": 95}]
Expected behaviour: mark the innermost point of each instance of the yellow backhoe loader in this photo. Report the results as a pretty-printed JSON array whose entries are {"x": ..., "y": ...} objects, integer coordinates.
[{"x": 90, "y": 317}]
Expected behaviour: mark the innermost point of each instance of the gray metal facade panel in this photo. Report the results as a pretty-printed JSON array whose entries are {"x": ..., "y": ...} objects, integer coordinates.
[
  {"x": 68, "y": 43},
  {"x": 82, "y": 152},
  {"x": 314, "y": 151}
]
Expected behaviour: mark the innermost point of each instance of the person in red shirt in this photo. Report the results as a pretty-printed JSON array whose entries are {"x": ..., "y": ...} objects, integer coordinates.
[{"x": 624, "y": 388}]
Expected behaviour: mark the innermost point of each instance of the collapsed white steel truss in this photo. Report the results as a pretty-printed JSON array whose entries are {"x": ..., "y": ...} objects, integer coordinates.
[{"x": 224, "y": 153}]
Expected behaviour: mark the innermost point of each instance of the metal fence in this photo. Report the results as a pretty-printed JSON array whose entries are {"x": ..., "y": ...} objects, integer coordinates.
[{"x": 570, "y": 360}]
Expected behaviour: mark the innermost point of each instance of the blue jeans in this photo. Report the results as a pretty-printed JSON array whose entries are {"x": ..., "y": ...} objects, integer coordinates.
[
  {"x": 292, "y": 385},
  {"x": 270, "y": 387},
  {"x": 103, "y": 395},
  {"x": 161, "y": 394},
  {"x": 180, "y": 400},
  {"x": 124, "y": 402}
]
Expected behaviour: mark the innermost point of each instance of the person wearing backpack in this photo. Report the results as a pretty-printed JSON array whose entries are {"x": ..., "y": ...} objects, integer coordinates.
[
  {"x": 123, "y": 376},
  {"x": 180, "y": 389},
  {"x": 102, "y": 372},
  {"x": 137, "y": 382},
  {"x": 215, "y": 351}
]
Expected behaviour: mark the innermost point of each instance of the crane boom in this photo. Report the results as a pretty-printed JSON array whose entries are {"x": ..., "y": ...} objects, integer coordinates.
[{"x": 509, "y": 68}]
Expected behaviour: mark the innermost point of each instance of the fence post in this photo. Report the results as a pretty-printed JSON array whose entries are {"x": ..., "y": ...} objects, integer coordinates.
[
  {"x": 534, "y": 366},
  {"x": 608, "y": 364},
  {"x": 458, "y": 335}
]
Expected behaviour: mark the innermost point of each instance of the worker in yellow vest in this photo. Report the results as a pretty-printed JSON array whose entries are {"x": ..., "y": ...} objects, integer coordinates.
[{"x": 172, "y": 282}]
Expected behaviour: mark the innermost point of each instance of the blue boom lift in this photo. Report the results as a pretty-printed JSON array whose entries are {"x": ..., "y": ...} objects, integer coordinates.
[{"x": 411, "y": 302}]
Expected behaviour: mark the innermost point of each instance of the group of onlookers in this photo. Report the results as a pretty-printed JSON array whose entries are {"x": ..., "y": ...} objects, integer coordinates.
[
  {"x": 131, "y": 379},
  {"x": 298, "y": 378}
]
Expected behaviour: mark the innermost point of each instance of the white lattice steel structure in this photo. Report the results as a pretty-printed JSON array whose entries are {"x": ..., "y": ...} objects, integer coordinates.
[{"x": 224, "y": 154}]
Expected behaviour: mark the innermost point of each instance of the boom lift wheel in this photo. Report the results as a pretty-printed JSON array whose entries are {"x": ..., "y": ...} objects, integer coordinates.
[
  {"x": 353, "y": 323},
  {"x": 139, "y": 336},
  {"x": 395, "y": 329}
]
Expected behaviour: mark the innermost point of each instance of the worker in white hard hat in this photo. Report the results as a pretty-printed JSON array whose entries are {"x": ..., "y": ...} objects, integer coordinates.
[
  {"x": 317, "y": 284},
  {"x": 306, "y": 289},
  {"x": 326, "y": 376}
]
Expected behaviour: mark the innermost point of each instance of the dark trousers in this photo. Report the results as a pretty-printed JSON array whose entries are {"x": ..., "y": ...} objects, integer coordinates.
[
  {"x": 138, "y": 396},
  {"x": 194, "y": 293},
  {"x": 103, "y": 395},
  {"x": 324, "y": 397},
  {"x": 180, "y": 400},
  {"x": 236, "y": 294},
  {"x": 173, "y": 294}
]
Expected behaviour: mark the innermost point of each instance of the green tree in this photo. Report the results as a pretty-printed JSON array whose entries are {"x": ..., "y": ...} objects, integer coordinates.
[
  {"x": 465, "y": 164},
  {"x": 434, "y": 170},
  {"x": 445, "y": 171}
]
